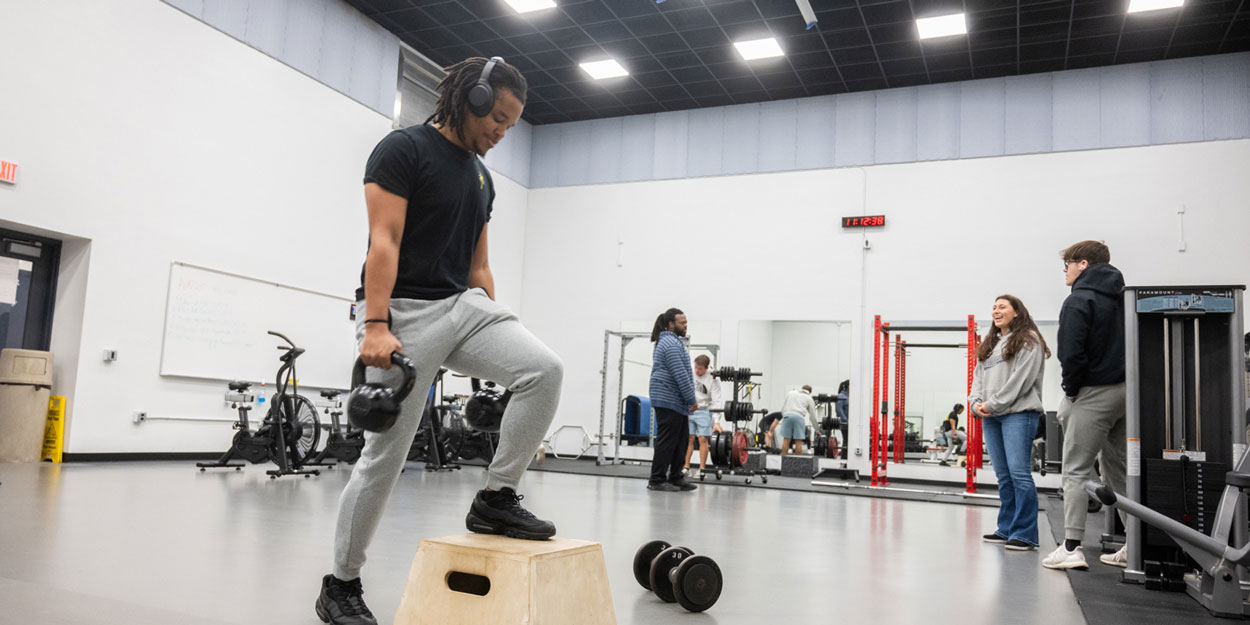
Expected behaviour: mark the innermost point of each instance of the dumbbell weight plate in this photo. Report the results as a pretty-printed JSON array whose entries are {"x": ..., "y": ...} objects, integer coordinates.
[
  {"x": 697, "y": 583},
  {"x": 661, "y": 564},
  {"x": 642, "y": 561}
]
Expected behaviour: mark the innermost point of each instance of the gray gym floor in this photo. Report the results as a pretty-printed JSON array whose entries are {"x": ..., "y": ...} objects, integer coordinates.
[{"x": 158, "y": 543}]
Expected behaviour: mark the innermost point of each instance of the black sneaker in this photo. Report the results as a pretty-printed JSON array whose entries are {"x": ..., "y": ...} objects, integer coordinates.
[
  {"x": 500, "y": 512},
  {"x": 1019, "y": 545},
  {"x": 343, "y": 603},
  {"x": 666, "y": 487},
  {"x": 682, "y": 484},
  {"x": 993, "y": 538}
]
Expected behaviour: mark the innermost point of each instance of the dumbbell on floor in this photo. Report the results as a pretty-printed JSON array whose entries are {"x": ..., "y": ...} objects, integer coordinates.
[{"x": 675, "y": 574}]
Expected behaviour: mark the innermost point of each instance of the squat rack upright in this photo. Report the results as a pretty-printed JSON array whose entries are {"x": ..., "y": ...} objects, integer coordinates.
[{"x": 879, "y": 422}]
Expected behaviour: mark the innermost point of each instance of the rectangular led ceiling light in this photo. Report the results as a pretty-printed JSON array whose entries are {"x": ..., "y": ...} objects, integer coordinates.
[
  {"x": 604, "y": 69},
  {"x": 942, "y": 26},
  {"x": 525, "y": 6},
  {"x": 1137, "y": 6},
  {"x": 758, "y": 48}
]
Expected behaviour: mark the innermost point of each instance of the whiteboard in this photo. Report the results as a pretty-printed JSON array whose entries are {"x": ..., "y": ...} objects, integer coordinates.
[{"x": 216, "y": 324}]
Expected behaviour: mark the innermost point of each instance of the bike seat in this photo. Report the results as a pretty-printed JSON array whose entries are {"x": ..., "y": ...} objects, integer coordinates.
[
  {"x": 240, "y": 386},
  {"x": 1240, "y": 480},
  {"x": 330, "y": 393}
]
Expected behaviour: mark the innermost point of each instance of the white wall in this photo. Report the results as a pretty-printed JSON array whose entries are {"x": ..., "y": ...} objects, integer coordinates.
[
  {"x": 145, "y": 137},
  {"x": 959, "y": 233}
]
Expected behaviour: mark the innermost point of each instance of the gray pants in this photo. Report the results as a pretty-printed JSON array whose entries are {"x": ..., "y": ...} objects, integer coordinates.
[
  {"x": 1093, "y": 428},
  {"x": 471, "y": 334},
  {"x": 955, "y": 442}
]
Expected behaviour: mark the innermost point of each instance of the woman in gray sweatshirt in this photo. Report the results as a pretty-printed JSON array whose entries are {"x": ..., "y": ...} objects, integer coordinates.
[{"x": 1007, "y": 397}]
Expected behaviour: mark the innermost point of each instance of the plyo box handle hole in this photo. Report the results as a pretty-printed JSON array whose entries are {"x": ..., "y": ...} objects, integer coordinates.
[{"x": 468, "y": 583}]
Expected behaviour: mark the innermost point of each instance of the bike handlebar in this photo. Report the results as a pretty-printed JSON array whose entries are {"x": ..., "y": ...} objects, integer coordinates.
[{"x": 283, "y": 337}]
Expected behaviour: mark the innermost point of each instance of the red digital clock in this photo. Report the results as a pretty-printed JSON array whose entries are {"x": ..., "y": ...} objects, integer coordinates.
[{"x": 867, "y": 221}]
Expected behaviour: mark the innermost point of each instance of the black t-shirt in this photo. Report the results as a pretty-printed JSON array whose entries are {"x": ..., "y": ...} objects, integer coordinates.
[
  {"x": 946, "y": 425},
  {"x": 450, "y": 195}
]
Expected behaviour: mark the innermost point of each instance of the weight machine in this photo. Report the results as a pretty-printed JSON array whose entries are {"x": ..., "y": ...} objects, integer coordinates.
[
  {"x": 625, "y": 338},
  {"x": 1185, "y": 426},
  {"x": 879, "y": 422}
]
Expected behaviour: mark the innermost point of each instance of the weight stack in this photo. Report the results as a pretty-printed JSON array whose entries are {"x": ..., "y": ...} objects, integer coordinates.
[
  {"x": 755, "y": 460},
  {"x": 799, "y": 466},
  {"x": 1186, "y": 491}
]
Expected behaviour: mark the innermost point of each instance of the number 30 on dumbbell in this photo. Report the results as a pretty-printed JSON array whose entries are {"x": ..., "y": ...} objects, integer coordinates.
[{"x": 677, "y": 575}]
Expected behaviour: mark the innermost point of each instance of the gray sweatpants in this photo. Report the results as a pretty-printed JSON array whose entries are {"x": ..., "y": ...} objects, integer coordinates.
[
  {"x": 470, "y": 334},
  {"x": 1093, "y": 428}
]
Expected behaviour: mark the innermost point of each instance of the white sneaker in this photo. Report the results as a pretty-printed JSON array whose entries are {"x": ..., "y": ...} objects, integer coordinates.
[
  {"x": 1119, "y": 558},
  {"x": 1061, "y": 558}
]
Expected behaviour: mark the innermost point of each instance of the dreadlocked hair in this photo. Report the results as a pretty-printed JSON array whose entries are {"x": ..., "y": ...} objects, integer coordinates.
[{"x": 453, "y": 99}]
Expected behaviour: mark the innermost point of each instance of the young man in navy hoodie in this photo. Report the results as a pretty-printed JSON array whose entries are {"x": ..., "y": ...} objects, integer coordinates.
[{"x": 1091, "y": 356}]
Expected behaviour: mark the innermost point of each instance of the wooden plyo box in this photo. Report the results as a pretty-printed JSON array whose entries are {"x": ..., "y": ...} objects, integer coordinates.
[{"x": 478, "y": 579}]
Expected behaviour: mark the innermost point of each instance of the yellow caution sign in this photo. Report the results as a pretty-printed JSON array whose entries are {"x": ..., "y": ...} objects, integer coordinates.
[{"x": 54, "y": 431}]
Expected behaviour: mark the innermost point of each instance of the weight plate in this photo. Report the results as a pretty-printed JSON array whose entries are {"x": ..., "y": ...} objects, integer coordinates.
[
  {"x": 740, "y": 445},
  {"x": 661, "y": 565},
  {"x": 697, "y": 583},
  {"x": 722, "y": 448},
  {"x": 642, "y": 561}
]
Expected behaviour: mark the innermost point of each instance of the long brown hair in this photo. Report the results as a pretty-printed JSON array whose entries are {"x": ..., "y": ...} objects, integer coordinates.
[{"x": 1023, "y": 332}]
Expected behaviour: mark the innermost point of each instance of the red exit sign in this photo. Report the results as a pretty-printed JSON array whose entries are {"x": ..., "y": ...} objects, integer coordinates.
[{"x": 8, "y": 172}]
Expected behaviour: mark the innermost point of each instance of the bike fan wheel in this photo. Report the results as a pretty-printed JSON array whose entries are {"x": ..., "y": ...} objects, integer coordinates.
[{"x": 301, "y": 430}]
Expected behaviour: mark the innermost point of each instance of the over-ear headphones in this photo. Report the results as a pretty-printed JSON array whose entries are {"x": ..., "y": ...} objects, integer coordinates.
[
  {"x": 373, "y": 406},
  {"x": 482, "y": 95},
  {"x": 484, "y": 410}
]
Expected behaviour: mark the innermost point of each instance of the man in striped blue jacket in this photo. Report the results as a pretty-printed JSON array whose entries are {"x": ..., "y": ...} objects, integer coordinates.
[{"x": 672, "y": 396}]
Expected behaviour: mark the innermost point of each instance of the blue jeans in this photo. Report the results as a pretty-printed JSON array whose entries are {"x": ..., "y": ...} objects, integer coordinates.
[{"x": 1009, "y": 438}]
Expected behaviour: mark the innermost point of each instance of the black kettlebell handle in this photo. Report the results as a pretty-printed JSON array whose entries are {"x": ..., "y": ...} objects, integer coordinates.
[{"x": 400, "y": 360}]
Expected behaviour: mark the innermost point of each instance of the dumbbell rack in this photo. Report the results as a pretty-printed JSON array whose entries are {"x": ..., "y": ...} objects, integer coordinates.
[{"x": 729, "y": 449}]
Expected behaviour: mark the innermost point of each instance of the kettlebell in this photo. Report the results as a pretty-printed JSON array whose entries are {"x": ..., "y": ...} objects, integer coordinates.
[
  {"x": 484, "y": 410},
  {"x": 375, "y": 407}
]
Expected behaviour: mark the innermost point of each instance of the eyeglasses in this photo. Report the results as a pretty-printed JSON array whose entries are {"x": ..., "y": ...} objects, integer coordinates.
[{"x": 1069, "y": 262}]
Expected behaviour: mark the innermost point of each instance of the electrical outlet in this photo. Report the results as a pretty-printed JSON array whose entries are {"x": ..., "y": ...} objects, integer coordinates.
[
  {"x": 140, "y": 416},
  {"x": 859, "y": 452}
]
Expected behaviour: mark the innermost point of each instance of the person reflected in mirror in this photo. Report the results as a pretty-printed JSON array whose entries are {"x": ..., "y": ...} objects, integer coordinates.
[
  {"x": 953, "y": 437},
  {"x": 842, "y": 408},
  {"x": 673, "y": 397},
  {"x": 702, "y": 424},
  {"x": 797, "y": 411},
  {"x": 1007, "y": 397},
  {"x": 768, "y": 426}
]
